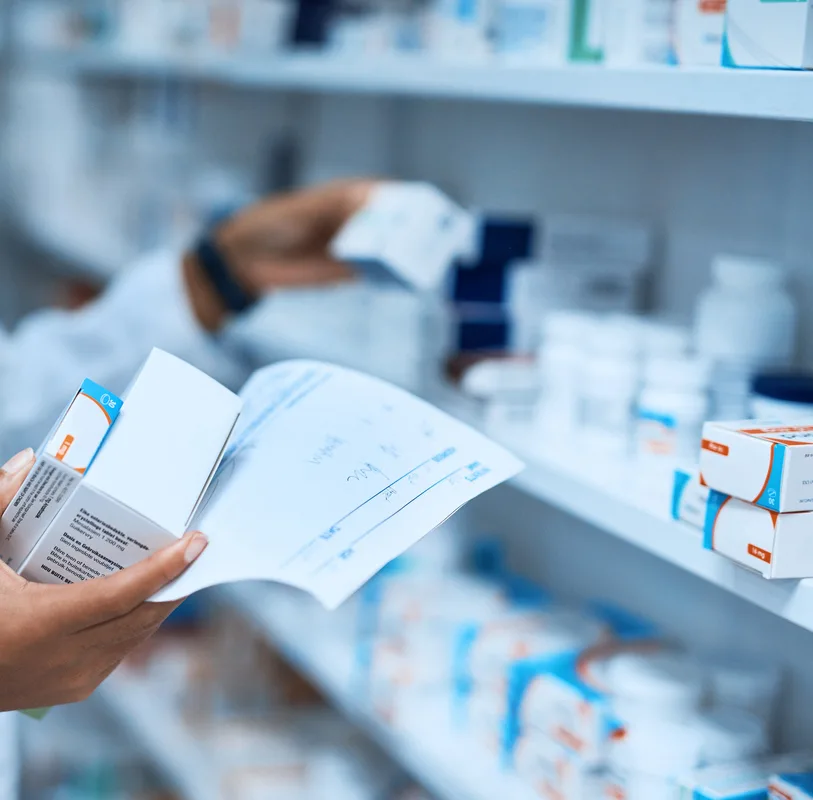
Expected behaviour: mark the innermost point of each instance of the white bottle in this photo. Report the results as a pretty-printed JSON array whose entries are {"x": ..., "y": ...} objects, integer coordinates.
[
  {"x": 560, "y": 359},
  {"x": 610, "y": 382},
  {"x": 746, "y": 321},
  {"x": 672, "y": 408}
]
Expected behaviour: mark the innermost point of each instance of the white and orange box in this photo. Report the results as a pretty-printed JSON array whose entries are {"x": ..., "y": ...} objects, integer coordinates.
[
  {"x": 169, "y": 433},
  {"x": 68, "y": 452},
  {"x": 774, "y": 545},
  {"x": 769, "y": 464}
]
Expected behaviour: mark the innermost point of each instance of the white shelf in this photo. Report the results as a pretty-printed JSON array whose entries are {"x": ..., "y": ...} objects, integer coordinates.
[
  {"x": 615, "y": 498},
  {"x": 162, "y": 737},
  {"x": 767, "y": 94},
  {"x": 439, "y": 759}
]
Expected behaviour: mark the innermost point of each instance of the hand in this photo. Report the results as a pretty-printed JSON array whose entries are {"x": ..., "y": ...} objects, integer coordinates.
[
  {"x": 58, "y": 643},
  {"x": 280, "y": 242}
]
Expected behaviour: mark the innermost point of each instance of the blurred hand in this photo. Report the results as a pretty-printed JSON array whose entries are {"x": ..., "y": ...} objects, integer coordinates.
[
  {"x": 280, "y": 242},
  {"x": 58, "y": 643}
]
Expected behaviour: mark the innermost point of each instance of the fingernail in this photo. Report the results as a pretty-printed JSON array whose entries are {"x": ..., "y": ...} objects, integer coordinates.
[
  {"x": 195, "y": 548},
  {"x": 19, "y": 462}
]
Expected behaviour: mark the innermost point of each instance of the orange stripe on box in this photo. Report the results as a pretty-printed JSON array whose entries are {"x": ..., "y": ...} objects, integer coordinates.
[
  {"x": 778, "y": 793},
  {"x": 758, "y": 552},
  {"x": 714, "y": 447},
  {"x": 64, "y": 447}
]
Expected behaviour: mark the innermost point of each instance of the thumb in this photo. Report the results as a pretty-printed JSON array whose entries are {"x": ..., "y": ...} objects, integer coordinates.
[
  {"x": 96, "y": 601},
  {"x": 12, "y": 475}
]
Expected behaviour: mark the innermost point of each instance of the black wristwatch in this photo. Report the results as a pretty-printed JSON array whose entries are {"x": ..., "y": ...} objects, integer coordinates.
[{"x": 216, "y": 267}]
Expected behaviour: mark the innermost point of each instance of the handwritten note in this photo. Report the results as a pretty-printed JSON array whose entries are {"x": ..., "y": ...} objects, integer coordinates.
[{"x": 329, "y": 475}]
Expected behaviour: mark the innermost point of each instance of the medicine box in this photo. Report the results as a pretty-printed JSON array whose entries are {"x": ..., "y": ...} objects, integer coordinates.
[
  {"x": 776, "y": 34},
  {"x": 698, "y": 32},
  {"x": 146, "y": 481},
  {"x": 791, "y": 787},
  {"x": 65, "y": 456},
  {"x": 772, "y": 544},
  {"x": 689, "y": 498},
  {"x": 409, "y": 234},
  {"x": 766, "y": 463},
  {"x": 742, "y": 781}
]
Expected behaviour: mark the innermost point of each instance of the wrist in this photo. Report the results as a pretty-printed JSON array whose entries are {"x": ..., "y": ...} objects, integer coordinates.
[{"x": 207, "y": 305}]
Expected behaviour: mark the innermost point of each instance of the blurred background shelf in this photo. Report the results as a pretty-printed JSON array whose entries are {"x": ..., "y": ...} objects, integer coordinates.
[
  {"x": 764, "y": 94},
  {"x": 425, "y": 747},
  {"x": 162, "y": 738}
]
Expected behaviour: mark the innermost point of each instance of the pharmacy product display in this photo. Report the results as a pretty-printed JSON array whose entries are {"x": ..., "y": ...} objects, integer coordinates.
[
  {"x": 544, "y": 33},
  {"x": 575, "y": 701}
]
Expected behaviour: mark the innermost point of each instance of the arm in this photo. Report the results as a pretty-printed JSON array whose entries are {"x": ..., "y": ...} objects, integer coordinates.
[{"x": 165, "y": 301}]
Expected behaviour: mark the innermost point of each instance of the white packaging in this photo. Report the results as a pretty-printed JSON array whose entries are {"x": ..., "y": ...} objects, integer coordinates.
[
  {"x": 560, "y": 362},
  {"x": 745, "y": 684},
  {"x": 774, "y": 545},
  {"x": 66, "y": 455},
  {"x": 533, "y": 32},
  {"x": 732, "y": 735},
  {"x": 769, "y": 464},
  {"x": 698, "y": 32},
  {"x": 172, "y": 431},
  {"x": 554, "y": 771},
  {"x": 748, "y": 780},
  {"x": 637, "y": 32},
  {"x": 690, "y": 498},
  {"x": 610, "y": 382},
  {"x": 665, "y": 685},
  {"x": 672, "y": 408},
  {"x": 776, "y": 35},
  {"x": 409, "y": 233},
  {"x": 460, "y": 31}
]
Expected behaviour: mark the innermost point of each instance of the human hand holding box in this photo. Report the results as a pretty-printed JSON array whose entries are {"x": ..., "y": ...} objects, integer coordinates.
[{"x": 329, "y": 475}]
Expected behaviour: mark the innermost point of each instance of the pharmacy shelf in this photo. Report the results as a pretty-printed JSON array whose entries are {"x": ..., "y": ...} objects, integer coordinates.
[
  {"x": 438, "y": 758},
  {"x": 742, "y": 93},
  {"x": 619, "y": 498},
  {"x": 162, "y": 737}
]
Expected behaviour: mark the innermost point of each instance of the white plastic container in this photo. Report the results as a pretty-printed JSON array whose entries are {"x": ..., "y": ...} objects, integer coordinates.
[
  {"x": 672, "y": 408},
  {"x": 665, "y": 685},
  {"x": 610, "y": 381},
  {"x": 731, "y": 735},
  {"x": 637, "y": 32},
  {"x": 746, "y": 321},
  {"x": 532, "y": 32},
  {"x": 741, "y": 683},
  {"x": 561, "y": 360}
]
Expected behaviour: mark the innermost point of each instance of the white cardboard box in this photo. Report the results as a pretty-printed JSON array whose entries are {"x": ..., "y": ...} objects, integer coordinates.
[
  {"x": 690, "y": 498},
  {"x": 65, "y": 456},
  {"x": 769, "y": 464},
  {"x": 408, "y": 233},
  {"x": 776, "y": 34},
  {"x": 698, "y": 32},
  {"x": 772, "y": 544},
  {"x": 171, "y": 433}
]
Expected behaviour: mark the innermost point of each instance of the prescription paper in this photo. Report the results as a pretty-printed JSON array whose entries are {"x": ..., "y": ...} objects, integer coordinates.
[{"x": 329, "y": 475}]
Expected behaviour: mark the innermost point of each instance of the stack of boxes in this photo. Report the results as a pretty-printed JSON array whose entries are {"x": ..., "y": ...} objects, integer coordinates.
[{"x": 753, "y": 495}]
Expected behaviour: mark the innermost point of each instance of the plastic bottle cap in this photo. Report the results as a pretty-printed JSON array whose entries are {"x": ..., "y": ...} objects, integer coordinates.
[
  {"x": 658, "y": 680},
  {"x": 741, "y": 272},
  {"x": 687, "y": 374}
]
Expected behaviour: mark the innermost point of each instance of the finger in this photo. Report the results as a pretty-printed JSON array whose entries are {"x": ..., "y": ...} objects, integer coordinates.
[
  {"x": 12, "y": 475},
  {"x": 140, "y": 622},
  {"x": 93, "y": 602}
]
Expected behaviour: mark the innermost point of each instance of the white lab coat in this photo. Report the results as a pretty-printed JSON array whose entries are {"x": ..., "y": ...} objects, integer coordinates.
[{"x": 43, "y": 361}]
